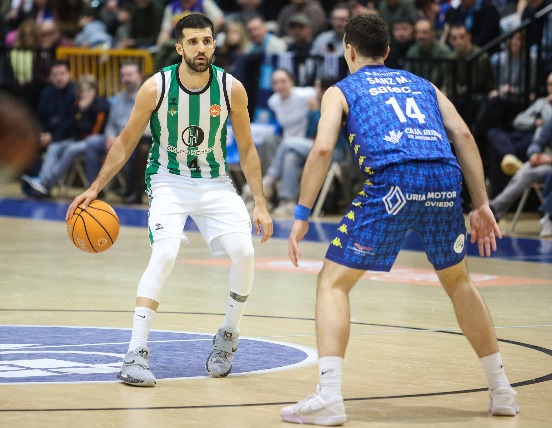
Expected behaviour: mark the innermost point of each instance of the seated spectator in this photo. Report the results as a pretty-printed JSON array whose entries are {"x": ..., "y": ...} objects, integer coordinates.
[
  {"x": 144, "y": 25},
  {"x": 176, "y": 9},
  {"x": 358, "y": 7},
  {"x": 508, "y": 147},
  {"x": 480, "y": 17},
  {"x": 390, "y": 9},
  {"x": 310, "y": 8},
  {"x": 93, "y": 33},
  {"x": 402, "y": 37},
  {"x": 55, "y": 111},
  {"x": 331, "y": 41},
  {"x": 23, "y": 52},
  {"x": 300, "y": 46},
  {"x": 90, "y": 113},
  {"x": 264, "y": 41},
  {"x": 435, "y": 11},
  {"x": 428, "y": 57},
  {"x": 248, "y": 10},
  {"x": 546, "y": 208},
  {"x": 107, "y": 14},
  {"x": 291, "y": 107},
  {"x": 473, "y": 80},
  {"x": 97, "y": 146},
  {"x": 284, "y": 174},
  {"x": 40, "y": 11},
  {"x": 230, "y": 55},
  {"x": 535, "y": 170},
  {"x": 124, "y": 12}
]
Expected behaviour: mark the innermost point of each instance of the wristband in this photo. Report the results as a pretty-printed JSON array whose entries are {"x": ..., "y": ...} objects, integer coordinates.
[{"x": 301, "y": 212}]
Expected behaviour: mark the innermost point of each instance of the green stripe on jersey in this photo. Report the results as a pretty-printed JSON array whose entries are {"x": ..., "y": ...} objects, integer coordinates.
[
  {"x": 172, "y": 123},
  {"x": 153, "y": 158},
  {"x": 214, "y": 124}
]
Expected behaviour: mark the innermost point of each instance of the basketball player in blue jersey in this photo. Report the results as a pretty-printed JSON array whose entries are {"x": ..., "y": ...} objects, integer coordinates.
[
  {"x": 187, "y": 106},
  {"x": 398, "y": 126}
]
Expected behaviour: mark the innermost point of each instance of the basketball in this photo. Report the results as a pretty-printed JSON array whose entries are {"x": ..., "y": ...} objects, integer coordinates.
[{"x": 94, "y": 229}]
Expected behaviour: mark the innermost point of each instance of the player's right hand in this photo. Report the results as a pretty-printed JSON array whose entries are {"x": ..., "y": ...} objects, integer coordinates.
[
  {"x": 298, "y": 232},
  {"x": 82, "y": 200}
]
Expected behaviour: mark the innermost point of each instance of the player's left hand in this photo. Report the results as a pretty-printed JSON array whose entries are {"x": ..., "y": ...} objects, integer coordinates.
[
  {"x": 485, "y": 230},
  {"x": 298, "y": 232},
  {"x": 262, "y": 220}
]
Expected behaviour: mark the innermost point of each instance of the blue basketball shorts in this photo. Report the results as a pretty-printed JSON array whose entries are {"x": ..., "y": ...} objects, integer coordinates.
[{"x": 423, "y": 197}]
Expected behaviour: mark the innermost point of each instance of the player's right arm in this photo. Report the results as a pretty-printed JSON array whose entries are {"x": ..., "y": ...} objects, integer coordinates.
[
  {"x": 482, "y": 222},
  {"x": 123, "y": 146}
]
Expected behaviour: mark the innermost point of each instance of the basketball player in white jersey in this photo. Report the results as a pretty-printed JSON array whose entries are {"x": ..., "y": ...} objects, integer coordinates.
[{"x": 187, "y": 106}]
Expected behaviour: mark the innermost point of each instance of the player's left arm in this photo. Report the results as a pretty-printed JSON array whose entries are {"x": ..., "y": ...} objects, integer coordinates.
[
  {"x": 249, "y": 158},
  {"x": 482, "y": 222}
]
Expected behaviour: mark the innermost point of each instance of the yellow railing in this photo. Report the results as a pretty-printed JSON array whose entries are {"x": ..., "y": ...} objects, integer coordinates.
[{"x": 104, "y": 64}]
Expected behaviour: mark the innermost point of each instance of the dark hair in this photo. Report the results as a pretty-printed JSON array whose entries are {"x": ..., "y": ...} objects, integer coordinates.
[
  {"x": 193, "y": 20},
  {"x": 402, "y": 18},
  {"x": 60, "y": 63},
  {"x": 287, "y": 72},
  {"x": 368, "y": 34}
]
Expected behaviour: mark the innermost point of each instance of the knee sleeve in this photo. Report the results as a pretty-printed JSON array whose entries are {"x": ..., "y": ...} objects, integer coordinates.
[
  {"x": 240, "y": 250},
  {"x": 163, "y": 256}
]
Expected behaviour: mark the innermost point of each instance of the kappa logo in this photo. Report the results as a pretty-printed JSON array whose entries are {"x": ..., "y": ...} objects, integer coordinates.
[
  {"x": 214, "y": 111},
  {"x": 158, "y": 226},
  {"x": 394, "y": 200},
  {"x": 393, "y": 137}
]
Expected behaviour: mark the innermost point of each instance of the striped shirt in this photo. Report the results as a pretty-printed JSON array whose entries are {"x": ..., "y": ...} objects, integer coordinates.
[{"x": 189, "y": 128}]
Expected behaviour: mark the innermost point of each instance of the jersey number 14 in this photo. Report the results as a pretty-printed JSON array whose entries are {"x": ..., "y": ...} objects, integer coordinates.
[{"x": 412, "y": 110}]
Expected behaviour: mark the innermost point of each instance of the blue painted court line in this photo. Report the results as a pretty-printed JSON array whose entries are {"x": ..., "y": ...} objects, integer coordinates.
[{"x": 520, "y": 249}]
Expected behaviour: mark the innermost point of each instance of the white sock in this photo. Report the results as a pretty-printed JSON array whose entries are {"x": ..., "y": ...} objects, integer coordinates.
[
  {"x": 234, "y": 313},
  {"x": 330, "y": 370},
  {"x": 143, "y": 318},
  {"x": 494, "y": 370}
]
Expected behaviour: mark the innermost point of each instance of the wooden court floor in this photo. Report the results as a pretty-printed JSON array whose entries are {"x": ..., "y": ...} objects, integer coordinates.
[{"x": 406, "y": 365}]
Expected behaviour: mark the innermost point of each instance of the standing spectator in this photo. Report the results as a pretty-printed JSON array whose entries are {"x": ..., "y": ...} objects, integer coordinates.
[
  {"x": 144, "y": 26},
  {"x": 300, "y": 46},
  {"x": 402, "y": 38},
  {"x": 428, "y": 57},
  {"x": 536, "y": 169},
  {"x": 435, "y": 11},
  {"x": 390, "y": 9},
  {"x": 480, "y": 17},
  {"x": 93, "y": 33},
  {"x": 331, "y": 41},
  {"x": 90, "y": 114},
  {"x": 55, "y": 111},
  {"x": 22, "y": 55},
  {"x": 473, "y": 80},
  {"x": 311, "y": 8}
]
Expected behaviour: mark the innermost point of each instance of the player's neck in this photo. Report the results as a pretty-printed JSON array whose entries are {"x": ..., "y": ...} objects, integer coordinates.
[
  {"x": 357, "y": 65},
  {"x": 193, "y": 80}
]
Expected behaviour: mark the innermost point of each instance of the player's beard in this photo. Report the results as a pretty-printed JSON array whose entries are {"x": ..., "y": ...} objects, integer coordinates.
[{"x": 194, "y": 67}]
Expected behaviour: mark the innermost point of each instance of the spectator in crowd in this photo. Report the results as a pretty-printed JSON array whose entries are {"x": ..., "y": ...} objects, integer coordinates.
[
  {"x": 55, "y": 111},
  {"x": 90, "y": 114},
  {"x": 311, "y": 8},
  {"x": 230, "y": 55},
  {"x": 480, "y": 17},
  {"x": 124, "y": 13},
  {"x": 300, "y": 46},
  {"x": 67, "y": 15},
  {"x": 508, "y": 146},
  {"x": 435, "y": 11},
  {"x": 428, "y": 57},
  {"x": 248, "y": 9},
  {"x": 389, "y": 9},
  {"x": 264, "y": 41},
  {"x": 176, "y": 9},
  {"x": 358, "y": 7},
  {"x": 93, "y": 33},
  {"x": 107, "y": 14},
  {"x": 535, "y": 170},
  {"x": 546, "y": 208},
  {"x": 40, "y": 11},
  {"x": 331, "y": 41},
  {"x": 144, "y": 25},
  {"x": 290, "y": 105},
  {"x": 402, "y": 38},
  {"x": 98, "y": 146},
  {"x": 284, "y": 173},
  {"x": 22, "y": 55},
  {"x": 473, "y": 79}
]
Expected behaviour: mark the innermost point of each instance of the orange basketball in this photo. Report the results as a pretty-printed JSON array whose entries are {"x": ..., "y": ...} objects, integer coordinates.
[{"x": 94, "y": 229}]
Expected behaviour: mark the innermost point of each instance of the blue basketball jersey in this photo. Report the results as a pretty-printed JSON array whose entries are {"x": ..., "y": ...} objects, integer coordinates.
[{"x": 393, "y": 118}]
